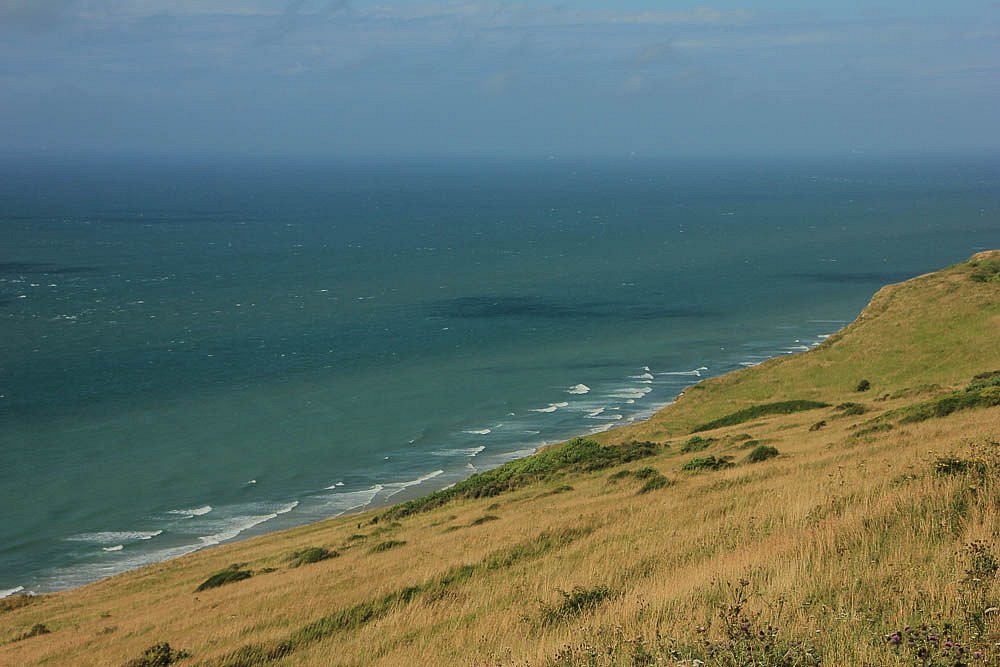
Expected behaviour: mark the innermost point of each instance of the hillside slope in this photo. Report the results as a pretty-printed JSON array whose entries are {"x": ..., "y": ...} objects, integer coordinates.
[{"x": 779, "y": 515}]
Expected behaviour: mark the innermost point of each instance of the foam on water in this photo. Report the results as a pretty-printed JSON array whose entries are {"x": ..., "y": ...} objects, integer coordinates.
[
  {"x": 631, "y": 392},
  {"x": 694, "y": 372},
  {"x": 400, "y": 486},
  {"x": 461, "y": 451},
  {"x": 578, "y": 389},
  {"x": 480, "y": 431},
  {"x": 116, "y": 537},
  {"x": 336, "y": 504},
  {"x": 198, "y": 511},
  {"x": 117, "y": 547}
]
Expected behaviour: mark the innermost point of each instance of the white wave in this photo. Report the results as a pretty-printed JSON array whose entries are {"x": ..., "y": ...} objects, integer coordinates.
[
  {"x": 461, "y": 451},
  {"x": 115, "y": 537},
  {"x": 399, "y": 486},
  {"x": 630, "y": 401},
  {"x": 593, "y": 413},
  {"x": 631, "y": 392},
  {"x": 252, "y": 481},
  {"x": 551, "y": 408},
  {"x": 197, "y": 511},
  {"x": 696, "y": 372},
  {"x": 10, "y": 591},
  {"x": 611, "y": 416},
  {"x": 117, "y": 547},
  {"x": 578, "y": 389},
  {"x": 239, "y": 524},
  {"x": 646, "y": 368},
  {"x": 479, "y": 431},
  {"x": 748, "y": 364},
  {"x": 342, "y": 502},
  {"x": 644, "y": 376},
  {"x": 532, "y": 432}
]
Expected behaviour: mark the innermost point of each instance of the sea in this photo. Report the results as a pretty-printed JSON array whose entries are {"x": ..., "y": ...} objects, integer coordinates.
[{"x": 197, "y": 352}]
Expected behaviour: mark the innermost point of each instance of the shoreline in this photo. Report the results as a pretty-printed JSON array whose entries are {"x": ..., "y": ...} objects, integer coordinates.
[{"x": 410, "y": 489}]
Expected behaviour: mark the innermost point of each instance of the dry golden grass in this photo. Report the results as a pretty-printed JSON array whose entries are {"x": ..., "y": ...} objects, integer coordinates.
[{"x": 849, "y": 537}]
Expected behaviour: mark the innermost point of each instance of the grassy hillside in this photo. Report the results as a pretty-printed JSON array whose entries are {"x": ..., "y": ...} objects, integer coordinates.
[{"x": 798, "y": 512}]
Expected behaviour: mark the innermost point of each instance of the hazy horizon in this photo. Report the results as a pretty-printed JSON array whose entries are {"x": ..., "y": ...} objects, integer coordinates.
[{"x": 330, "y": 80}]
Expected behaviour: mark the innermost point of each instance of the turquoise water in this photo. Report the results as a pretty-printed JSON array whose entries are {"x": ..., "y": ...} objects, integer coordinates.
[{"x": 191, "y": 354}]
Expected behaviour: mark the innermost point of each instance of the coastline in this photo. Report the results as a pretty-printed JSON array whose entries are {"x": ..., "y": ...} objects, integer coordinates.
[{"x": 282, "y": 518}]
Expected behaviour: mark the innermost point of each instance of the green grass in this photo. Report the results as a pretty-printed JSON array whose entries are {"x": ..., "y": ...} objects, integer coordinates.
[
  {"x": 982, "y": 392},
  {"x": 696, "y": 443},
  {"x": 575, "y": 456},
  {"x": 230, "y": 575},
  {"x": 762, "y": 410}
]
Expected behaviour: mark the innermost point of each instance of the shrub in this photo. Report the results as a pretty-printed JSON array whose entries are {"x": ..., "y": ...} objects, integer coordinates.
[
  {"x": 574, "y": 603},
  {"x": 818, "y": 425},
  {"x": 158, "y": 655},
  {"x": 35, "y": 630},
  {"x": 17, "y": 601},
  {"x": 385, "y": 546},
  {"x": 311, "y": 555},
  {"x": 486, "y": 518},
  {"x": 621, "y": 474},
  {"x": 852, "y": 409},
  {"x": 654, "y": 483},
  {"x": 707, "y": 463},
  {"x": 646, "y": 472},
  {"x": 230, "y": 575},
  {"x": 761, "y": 410},
  {"x": 761, "y": 453},
  {"x": 985, "y": 270},
  {"x": 863, "y": 385},
  {"x": 696, "y": 444}
]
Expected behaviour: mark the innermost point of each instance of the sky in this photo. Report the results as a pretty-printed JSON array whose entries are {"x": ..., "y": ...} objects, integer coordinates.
[{"x": 414, "y": 78}]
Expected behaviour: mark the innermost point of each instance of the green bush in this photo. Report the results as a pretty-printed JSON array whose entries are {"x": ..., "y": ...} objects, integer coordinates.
[
  {"x": 646, "y": 473},
  {"x": 36, "y": 630},
  {"x": 385, "y": 546},
  {"x": 230, "y": 575},
  {"x": 847, "y": 409},
  {"x": 863, "y": 385},
  {"x": 696, "y": 444},
  {"x": 158, "y": 655},
  {"x": 761, "y": 453},
  {"x": 703, "y": 463},
  {"x": 311, "y": 555},
  {"x": 17, "y": 601},
  {"x": 818, "y": 425},
  {"x": 654, "y": 484},
  {"x": 484, "y": 519},
  {"x": 762, "y": 410},
  {"x": 985, "y": 271}
]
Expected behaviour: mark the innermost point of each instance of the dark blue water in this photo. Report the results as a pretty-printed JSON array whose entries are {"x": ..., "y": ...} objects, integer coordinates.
[{"x": 191, "y": 353}]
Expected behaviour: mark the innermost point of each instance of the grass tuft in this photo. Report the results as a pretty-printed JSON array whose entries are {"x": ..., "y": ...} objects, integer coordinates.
[{"x": 158, "y": 655}]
